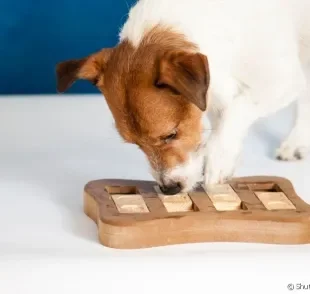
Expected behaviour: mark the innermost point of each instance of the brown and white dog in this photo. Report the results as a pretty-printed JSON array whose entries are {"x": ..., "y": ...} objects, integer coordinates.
[{"x": 240, "y": 60}]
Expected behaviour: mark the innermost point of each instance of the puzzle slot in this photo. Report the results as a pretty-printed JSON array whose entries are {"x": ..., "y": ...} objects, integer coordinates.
[
  {"x": 241, "y": 187},
  {"x": 264, "y": 187},
  {"x": 275, "y": 200},
  {"x": 130, "y": 203},
  {"x": 175, "y": 203},
  {"x": 121, "y": 190},
  {"x": 224, "y": 198}
]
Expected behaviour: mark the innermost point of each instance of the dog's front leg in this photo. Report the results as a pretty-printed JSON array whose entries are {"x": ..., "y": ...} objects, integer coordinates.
[{"x": 225, "y": 142}]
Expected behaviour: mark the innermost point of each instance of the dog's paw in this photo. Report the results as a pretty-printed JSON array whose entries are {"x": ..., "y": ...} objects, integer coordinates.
[
  {"x": 294, "y": 147},
  {"x": 292, "y": 152},
  {"x": 221, "y": 159}
]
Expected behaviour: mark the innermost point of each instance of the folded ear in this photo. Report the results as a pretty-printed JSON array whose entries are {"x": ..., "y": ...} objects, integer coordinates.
[
  {"x": 187, "y": 74},
  {"x": 87, "y": 68}
]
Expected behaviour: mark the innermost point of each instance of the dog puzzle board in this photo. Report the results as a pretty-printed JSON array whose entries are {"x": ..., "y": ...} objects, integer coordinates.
[{"x": 135, "y": 214}]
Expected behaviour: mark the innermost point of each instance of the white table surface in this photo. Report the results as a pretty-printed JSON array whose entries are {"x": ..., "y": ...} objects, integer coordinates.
[{"x": 51, "y": 146}]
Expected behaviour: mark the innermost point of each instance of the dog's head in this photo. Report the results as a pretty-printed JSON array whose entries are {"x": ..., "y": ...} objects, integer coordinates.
[{"x": 157, "y": 94}]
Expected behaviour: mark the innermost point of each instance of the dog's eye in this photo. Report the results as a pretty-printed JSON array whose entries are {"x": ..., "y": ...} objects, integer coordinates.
[
  {"x": 167, "y": 87},
  {"x": 95, "y": 81},
  {"x": 170, "y": 137}
]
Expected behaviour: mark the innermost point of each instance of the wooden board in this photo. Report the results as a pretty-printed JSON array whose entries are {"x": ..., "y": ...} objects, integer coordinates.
[
  {"x": 135, "y": 214},
  {"x": 130, "y": 203},
  {"x": 223, "y": 197},
  {"x": 275, "y": 200},
  {"x": 175, "y": 203}
]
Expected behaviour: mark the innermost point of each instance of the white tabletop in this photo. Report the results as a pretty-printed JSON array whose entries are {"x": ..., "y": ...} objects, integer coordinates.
[{"x": 51, "y": 146}]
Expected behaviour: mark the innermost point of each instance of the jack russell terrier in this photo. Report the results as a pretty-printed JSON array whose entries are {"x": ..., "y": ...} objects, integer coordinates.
[{"x": 237, "y": 60}]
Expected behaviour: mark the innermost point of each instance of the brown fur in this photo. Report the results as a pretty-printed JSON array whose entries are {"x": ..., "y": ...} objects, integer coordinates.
[{"x": 151, "y": 91}]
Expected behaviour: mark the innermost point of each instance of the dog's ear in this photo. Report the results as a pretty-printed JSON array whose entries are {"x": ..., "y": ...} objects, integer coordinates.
[
  {"x": 87, "y": 68},
  {"x": 187, "y": 74}
]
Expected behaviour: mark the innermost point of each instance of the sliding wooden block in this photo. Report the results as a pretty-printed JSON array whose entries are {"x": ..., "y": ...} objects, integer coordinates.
[
  {"x": 130, "y": 203},
  {"x": 275, "y": 200},
  {"x": 175, "y": 203},
  {"x": 224, "y": 198},
  {"x": 125, "y": 221}
]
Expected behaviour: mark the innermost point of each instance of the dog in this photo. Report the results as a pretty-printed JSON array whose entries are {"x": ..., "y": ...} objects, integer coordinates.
[{"x": 235, "y": 60}]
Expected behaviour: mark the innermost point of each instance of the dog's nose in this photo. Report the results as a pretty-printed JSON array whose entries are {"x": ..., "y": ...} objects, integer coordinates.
[{"x": 171, "y": 189}]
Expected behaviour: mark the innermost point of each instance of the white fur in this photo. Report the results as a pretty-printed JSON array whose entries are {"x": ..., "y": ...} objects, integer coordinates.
[
  {"x": 188, "y": 173},
  {"x": 258, "y": 53},
  {"x": 297, "y": 144}
]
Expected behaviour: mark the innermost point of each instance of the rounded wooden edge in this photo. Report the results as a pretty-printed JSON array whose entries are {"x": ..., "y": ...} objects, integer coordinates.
[
  {"x": 257, "y": 179},
  {"x": 219, "y": 230},
  {"x": 153, "y": 233},
  {"x": 142, "y": 183},
  {"x": 111, "y": 182},
  {"x": 138, "y": 238}
]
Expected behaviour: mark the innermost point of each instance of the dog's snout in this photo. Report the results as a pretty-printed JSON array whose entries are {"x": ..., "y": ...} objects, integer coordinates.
[{"x": 171, "y": 189}]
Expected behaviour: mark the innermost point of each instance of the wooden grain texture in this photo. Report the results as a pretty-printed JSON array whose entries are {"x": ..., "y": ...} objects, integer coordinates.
[
  {"x": 252, "y": 222},
  {"x": 223, "y": 196},
  {"x": 129, "y": 203},
  {"x": 275, "y": 200},
  {"x": 175, "y": 203}
]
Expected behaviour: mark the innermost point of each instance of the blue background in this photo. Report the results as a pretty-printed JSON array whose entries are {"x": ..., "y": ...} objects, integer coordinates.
[{"x": 36, "y": 34}]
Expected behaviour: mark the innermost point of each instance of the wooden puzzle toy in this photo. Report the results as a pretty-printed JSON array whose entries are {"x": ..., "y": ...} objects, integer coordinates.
[{"x": 135, "y": 214}]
